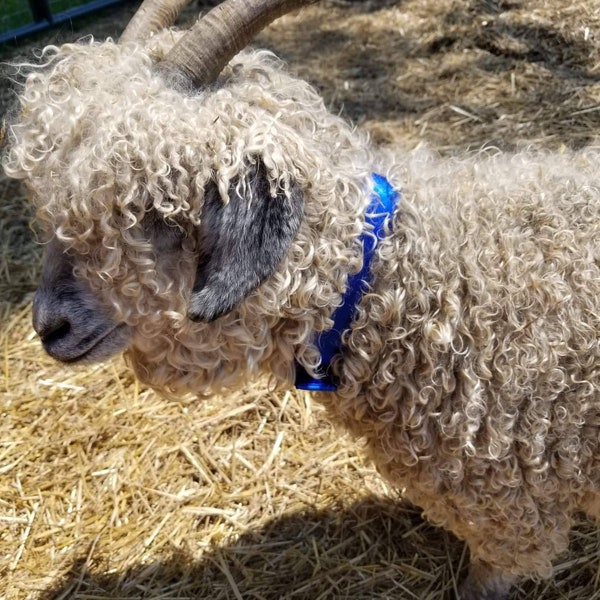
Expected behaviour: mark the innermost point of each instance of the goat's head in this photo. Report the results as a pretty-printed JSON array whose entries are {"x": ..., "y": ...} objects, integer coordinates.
[
  {"x": 168, "y": 202},
  {"x": 94, "y": 291}
]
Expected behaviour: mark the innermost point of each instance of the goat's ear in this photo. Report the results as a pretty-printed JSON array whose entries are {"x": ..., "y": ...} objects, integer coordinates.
[{"x": 242, "y": 242}]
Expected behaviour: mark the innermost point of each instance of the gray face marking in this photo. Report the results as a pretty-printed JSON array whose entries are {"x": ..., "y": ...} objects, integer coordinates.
[{"x": 71, "y": 321}]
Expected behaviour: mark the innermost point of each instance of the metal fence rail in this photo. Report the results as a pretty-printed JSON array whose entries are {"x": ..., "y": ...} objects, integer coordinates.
[{"x": 43, "y": 17}]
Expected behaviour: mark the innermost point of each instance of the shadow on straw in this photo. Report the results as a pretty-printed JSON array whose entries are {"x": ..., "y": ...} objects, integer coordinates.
[{"x": 374, "y": 548}]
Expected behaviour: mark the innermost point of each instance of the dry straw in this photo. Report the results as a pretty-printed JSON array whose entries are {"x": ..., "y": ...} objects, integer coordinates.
[{"x": 109, "y": 491}]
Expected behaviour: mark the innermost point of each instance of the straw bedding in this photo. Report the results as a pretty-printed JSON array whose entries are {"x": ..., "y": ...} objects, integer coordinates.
[{"x": 109, "y": 491}]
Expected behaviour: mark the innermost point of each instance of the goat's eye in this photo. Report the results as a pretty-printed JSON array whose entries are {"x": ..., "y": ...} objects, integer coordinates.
[{"x": 164, "y": 235}]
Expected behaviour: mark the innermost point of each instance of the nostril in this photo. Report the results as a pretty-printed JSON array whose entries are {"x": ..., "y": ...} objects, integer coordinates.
[{"x": 55, "y": 331}]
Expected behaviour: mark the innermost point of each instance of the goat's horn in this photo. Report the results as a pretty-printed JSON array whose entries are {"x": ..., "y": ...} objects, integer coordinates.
[
  {"x": 218, "y": 36},
  {"x": 151, "y": 16}
]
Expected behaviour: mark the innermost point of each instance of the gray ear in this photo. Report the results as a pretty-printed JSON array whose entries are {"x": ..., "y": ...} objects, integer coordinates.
[{"x": 241, "y": 242}]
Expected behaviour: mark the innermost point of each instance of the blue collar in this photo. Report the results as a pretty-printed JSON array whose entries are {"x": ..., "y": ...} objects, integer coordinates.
[{"x": 329, "y": 343}]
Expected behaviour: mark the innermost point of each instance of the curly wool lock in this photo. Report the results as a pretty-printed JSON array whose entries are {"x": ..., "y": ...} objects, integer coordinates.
[{"x": 472, "y": 370}]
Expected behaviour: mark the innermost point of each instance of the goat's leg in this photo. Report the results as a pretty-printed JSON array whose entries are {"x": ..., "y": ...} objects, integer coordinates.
[{"x": 485, "y": 582}]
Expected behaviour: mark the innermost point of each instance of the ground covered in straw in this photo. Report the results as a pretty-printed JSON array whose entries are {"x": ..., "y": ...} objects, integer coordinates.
[{"x": 109, "y": 491}]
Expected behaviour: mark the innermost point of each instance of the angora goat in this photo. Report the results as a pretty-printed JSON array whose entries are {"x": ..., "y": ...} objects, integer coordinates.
[{"x": 210, "y": 230}]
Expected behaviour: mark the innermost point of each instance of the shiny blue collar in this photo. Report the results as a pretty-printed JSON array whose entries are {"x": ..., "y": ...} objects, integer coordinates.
[{"x": 329, "y": 343}]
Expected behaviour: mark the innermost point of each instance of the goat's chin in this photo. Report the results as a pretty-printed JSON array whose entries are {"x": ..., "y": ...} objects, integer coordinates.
[{"x": 95, "y": 348}]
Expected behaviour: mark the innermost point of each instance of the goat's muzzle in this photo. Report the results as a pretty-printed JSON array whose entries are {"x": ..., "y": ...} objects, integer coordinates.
[{"x": 72, "y": 332}]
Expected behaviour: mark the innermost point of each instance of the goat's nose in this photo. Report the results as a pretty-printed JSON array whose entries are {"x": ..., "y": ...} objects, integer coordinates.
[
  {"x": 53, "y": 331},
  {"x": 51, "y": 323}
]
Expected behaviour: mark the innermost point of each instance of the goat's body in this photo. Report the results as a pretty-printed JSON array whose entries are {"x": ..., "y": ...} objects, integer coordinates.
[
  {"x": 473, "y": 367},
  {"x": 473, "y": 370}
]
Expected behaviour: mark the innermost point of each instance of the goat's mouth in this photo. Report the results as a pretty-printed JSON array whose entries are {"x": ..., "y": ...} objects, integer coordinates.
[{"x": 95, "y": 347}]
